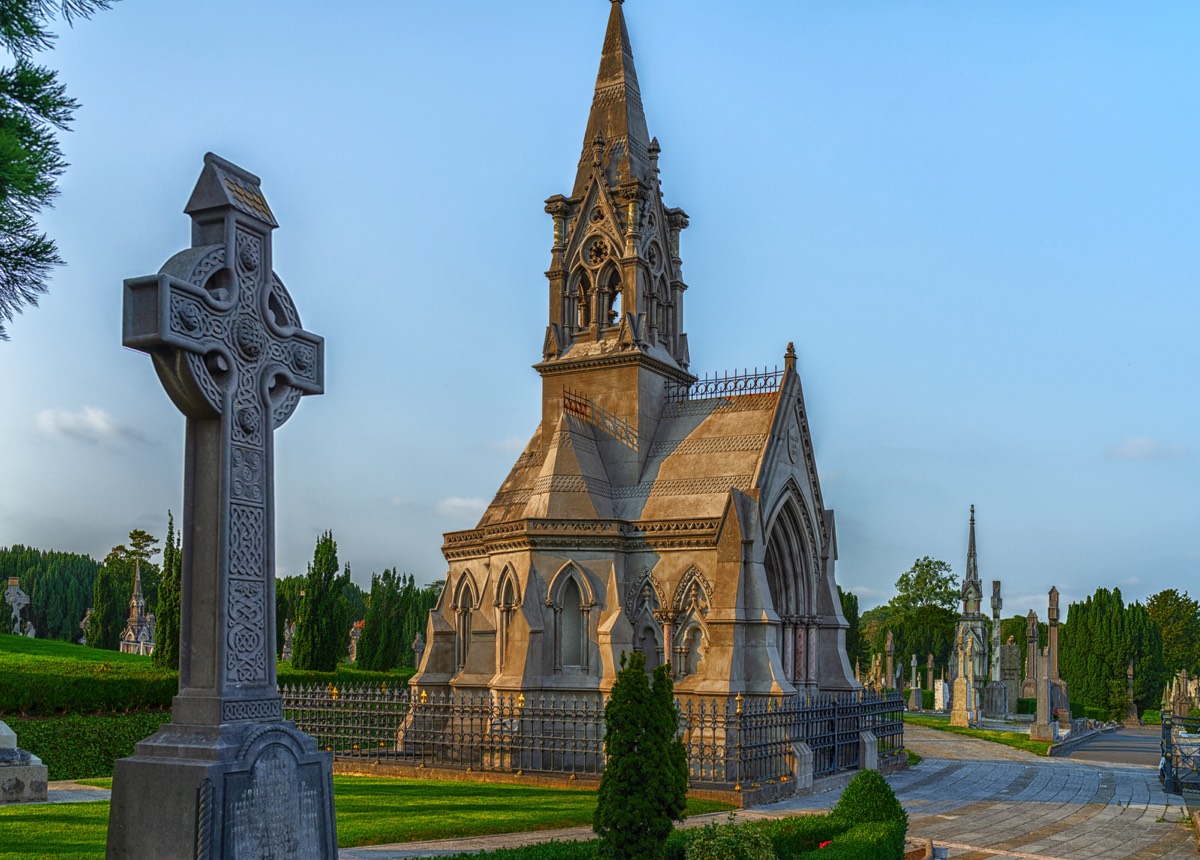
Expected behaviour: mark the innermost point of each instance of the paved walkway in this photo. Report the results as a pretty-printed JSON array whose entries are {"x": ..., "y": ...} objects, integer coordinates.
[{"x": 975, "y": 799}]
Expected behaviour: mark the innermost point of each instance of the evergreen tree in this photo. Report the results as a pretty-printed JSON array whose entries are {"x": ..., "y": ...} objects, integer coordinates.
[
  {"x": 109, "y": 611},
  {"x": 287, "y": 606},
  {"x": 854, "y": 644},
  {"x": 1096, "y": 643},
  {"x": 170, "y": 602},
  {"x": 1177, "y": 618},
  {"x": 379, "y": 644},
  {"x": 59, "y": 585},
  {"x": 33, "y": 104},
  {"x": 644, "y": 785},
  {"x": 322, "y": 622}
]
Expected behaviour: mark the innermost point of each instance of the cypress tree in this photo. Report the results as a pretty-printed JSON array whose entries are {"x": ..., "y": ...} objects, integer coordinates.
[
  {"x": 170, "y": 602},
  {"x": 644, "y": 785},
  {"x": 379, "y": 644},
  {"x": 321, "y": 637}
]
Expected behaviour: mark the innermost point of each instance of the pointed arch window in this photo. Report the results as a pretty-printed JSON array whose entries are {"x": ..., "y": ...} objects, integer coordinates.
[
  {"x": 507, "y": 602},
  {"x": 610, "y": 295},
  {"x": 463, "y": 606},
  {"x": 577, "y": 310},
  {"x": 571, "y": 601}
]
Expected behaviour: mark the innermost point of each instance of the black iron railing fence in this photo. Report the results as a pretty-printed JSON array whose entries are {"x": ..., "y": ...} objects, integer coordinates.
[
  {"x": 729, "y": 742},
  {"x": 1180, "y": 767},
  {"x": 727, "y": 384}
]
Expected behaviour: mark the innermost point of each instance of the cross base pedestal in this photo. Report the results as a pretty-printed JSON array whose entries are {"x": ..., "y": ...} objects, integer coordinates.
[{"x": 232, "y": 792}]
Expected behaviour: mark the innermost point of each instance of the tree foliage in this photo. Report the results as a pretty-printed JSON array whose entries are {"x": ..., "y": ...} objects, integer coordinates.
[
  {"x": 644, "y": 785},
  {"x": 59, "y": 584},
  {"x": 854, "y": 642},
  {"x": 1177, "y": 618},
  {"x": 170, "y": 602},
  {"x": 929, "y": 582},
  {"x": 1096, "y": 642},
  {"x": 1014, "y": 626},
  {"x": 396, "y": 612},
  {"x": 114, "y": 588},
  {"x": 323, "y": 619},
  {"x": 33, "y": 107}
]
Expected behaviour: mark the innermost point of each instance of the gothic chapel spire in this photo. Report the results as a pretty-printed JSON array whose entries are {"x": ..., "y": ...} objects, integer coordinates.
[
  {"x": 615, "y": 275},
  {"x": 617, "y": 117}
]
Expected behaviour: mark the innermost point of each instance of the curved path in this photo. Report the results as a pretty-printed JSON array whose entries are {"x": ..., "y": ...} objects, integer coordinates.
[{"x": 982, "y": 800}]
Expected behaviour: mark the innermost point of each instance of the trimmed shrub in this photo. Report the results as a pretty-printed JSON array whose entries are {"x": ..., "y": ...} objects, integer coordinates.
[
  {"x": 81, "y": 747},
  {"x": 1026, "y": 706},
  {"x": 41, "y": 686},
  {"x": 544, "y": 851},
  {"x": 872, "y": 840},
  {"x": 792, "y": 836},
  {"x": 730, "y": 842},
  {"x": 868, "y": 797}
]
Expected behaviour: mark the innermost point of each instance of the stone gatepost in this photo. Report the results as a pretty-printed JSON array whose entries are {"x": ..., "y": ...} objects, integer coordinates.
[{"x": 228, "y": 778}]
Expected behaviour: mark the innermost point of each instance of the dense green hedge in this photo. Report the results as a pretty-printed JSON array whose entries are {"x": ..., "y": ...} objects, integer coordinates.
[
  {"x": 1026, "y": 706},
  {"x": 80, "y": 747},
  {"x": 45, "y": 678},
  {"x": 871, "y": 840},
  {"x": 1152, "y": 718}
]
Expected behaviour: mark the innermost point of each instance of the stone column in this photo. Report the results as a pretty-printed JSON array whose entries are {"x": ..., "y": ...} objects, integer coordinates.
[
  {"x": 666, "y": 618},
  {"x": 788, "y": 646},
  {"x": 929, "y": 672},
  {"x": 1044, "y": 728},
  {"x": 997, "y": 605},
  {"x": 1029, "y": 686},
  {"x": 1052, "y": 634}
]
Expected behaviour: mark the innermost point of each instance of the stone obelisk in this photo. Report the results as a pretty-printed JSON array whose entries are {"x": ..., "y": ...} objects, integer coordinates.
[{"x": 228, "y": 778}]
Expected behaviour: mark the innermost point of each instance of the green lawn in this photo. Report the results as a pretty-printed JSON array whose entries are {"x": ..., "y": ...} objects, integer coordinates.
[
  {"x": 370, "y": 811},
  {"x": 1017, "y": 740}
]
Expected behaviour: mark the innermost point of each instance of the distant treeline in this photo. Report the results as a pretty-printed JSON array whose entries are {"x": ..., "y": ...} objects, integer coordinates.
[{"x": 59, "y": 585}]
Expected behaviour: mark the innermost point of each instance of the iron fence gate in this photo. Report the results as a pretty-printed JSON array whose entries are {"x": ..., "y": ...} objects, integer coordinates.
[
  {"x": 728, "y": 741},
  {"x": 1180, "y": 766}
]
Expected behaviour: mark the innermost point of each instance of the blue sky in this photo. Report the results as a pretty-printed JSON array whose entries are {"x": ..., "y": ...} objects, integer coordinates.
[{"x": 978, "y": 222}]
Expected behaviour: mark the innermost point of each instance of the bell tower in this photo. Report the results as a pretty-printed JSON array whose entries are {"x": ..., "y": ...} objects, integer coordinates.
[{"x": 616, "y": 292}]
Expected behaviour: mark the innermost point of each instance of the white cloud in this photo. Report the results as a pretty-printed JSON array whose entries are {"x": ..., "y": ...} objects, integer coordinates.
[
  {"x": 1145, "y": 448},
  {"x": 457, "y": 508},
  {"x": 867, "y": 591},
  {"x": 90, "y": 424}
]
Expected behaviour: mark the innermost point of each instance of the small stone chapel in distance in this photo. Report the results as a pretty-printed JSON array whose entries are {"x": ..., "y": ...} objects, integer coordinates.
[{"x": 650, "y": 511}]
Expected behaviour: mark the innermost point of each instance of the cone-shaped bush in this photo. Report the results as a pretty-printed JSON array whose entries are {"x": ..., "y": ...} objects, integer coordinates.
[
  {"x": 644, "y": 786},
  {"x": 868, "y": 797}
]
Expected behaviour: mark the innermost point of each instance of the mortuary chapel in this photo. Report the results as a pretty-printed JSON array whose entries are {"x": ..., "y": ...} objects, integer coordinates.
[{"x": 652, "y": 510}]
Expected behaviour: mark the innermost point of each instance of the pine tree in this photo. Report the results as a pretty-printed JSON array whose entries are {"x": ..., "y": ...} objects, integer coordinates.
[
  {"x": 644, "y": 785},
  {"x": 322, "y": 628},
  {"x": 108, "y": 609},
  {"x": 33, "y": 104},
  {"x": 170, "y": 602}
]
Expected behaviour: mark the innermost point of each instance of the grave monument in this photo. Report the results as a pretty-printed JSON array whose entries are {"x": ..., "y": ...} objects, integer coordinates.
[
  {"x": 1132, "y": 720},
  {"x": 17, "y": 600},
  {"x": 1045, "y": 727},
  {"x": 995, "y": 694},
  {"x": 1010, "y": 671},
  {"x": 652, "y": 509},
  {"x": 914, "y": 691},
  {"x": 890, "y": 648},
  {"x": 970, "y": 621},
  {"x": 22, "y": 774},
  {"x": 228, "y": 778},
  {"x": 929, "y": 672},
  {"x": 1029, "y": 687},
  {"x": 1060, "y": 701}
]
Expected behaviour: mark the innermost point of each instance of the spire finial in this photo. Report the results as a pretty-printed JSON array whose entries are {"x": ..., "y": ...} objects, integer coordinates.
[{"x": 789, "y": 357}]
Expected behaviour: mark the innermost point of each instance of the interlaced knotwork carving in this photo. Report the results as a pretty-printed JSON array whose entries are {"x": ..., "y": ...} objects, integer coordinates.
[
  {"x": 245, "y": 659},
  {"x": 246, "y": 541}
]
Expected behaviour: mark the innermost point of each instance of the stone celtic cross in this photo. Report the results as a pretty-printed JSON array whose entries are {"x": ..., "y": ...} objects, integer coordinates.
[{"x": 227, "y": 344}]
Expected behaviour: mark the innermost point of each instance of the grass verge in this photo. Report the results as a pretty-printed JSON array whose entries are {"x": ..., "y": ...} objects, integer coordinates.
[
  {"x": 370, "y": 811},
  {"x": 1017, "y": 740}
]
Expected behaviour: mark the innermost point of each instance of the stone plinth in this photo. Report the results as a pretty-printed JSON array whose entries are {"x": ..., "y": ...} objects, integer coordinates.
[
  {"x": 964, "y": 705},
  {"x": 22, "y": 774},
  {"x": 941, "y": 695}
]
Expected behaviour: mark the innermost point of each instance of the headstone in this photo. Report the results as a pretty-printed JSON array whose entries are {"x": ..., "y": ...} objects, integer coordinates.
[
  {"x": 17, "y": 600},
  {"x": 914, "y": 689},
  {"x": 997, "y": 605},
  {"x": 890, "y": 649},
  {"x": 941, "y": 695},
  {"x": 1060, "y": 700},
  {"x": 1029, "y": 686},
  {"x": 1131, "y": 712},
  {"x": 84, "y": 625},
  {"x": 1044, "y": 727},
  {"x": 228, "y": 778},
  {"x": 929, "y": 672},
  {"x": 22, "y": 774},
  {"x": 418, "y": 646},
  {"x": 964, "y": 687},
  {"x": 1010, "y": 671},
  {"x": 289, "y": 636}
]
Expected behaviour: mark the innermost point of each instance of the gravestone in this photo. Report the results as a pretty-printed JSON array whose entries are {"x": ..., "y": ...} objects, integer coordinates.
[
  {"x": 995, "y": 694},
  {"x": 929, "y": 672},
  {"x": 941, "y": 695},
  {"x": 17, "y": 600},
  {"x": 1060, "y": 700},
  {"x": 1010, "y": 670},
  {"x": 1029, "y": 686},
  {"x": 914, "y": 691},
  {"x": 963, "y": 712},
  {"x": 22, "y": 774},
  {"x": 1044, "y": 727},
  {"x": 228, "y": 778},
  {"x": 1131, "y": 712},
  {"x": 890, "y": 649}
]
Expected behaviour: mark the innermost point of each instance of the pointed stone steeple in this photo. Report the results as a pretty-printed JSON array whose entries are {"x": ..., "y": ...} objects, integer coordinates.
[
  {"x": 137, "y": 603},
  {"x": 616, "y": 285},
  {"x": 972, "y": 589},
  {"x": 617, "y": 118}
]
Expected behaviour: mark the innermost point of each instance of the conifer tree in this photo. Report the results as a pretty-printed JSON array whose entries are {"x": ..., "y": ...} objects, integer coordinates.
[
  {"x": 322, "y": 623},
  {"x": 170, "y": 602},
  {"x": 644, "y": 785},
  {"x": 379, "y": 644}
]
